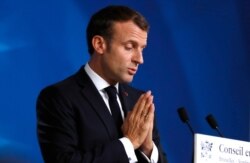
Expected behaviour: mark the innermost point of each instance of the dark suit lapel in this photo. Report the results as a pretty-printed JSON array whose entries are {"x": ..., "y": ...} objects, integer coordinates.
[
  {"x": 125, "y": 99},
  {"x": 90, "y": 92}
]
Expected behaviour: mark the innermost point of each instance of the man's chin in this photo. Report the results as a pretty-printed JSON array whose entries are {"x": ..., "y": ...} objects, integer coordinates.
[{"x": 127, "y": 80}]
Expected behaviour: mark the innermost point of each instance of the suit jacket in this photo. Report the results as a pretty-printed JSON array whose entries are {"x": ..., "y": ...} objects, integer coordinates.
[{"x": 75, "y": 126}]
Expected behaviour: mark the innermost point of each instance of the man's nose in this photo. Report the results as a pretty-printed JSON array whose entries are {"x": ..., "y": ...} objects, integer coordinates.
[{"x": 138, "y": 57}]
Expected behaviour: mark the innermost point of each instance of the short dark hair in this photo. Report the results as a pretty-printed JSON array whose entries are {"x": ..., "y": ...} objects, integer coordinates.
[{"x": 101, "y": 22}]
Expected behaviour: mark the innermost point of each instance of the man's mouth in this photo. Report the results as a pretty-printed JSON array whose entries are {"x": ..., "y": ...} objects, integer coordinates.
[{"x": 132, "y": 71}]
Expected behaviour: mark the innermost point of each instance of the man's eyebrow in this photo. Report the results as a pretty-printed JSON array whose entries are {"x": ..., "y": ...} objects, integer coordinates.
[
  {"x": 130, "y": 41},
  {"x": 133, "y": 42}
]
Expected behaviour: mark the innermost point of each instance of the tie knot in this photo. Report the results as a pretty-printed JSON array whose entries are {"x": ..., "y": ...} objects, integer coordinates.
[{"x": 111, "y": 91}]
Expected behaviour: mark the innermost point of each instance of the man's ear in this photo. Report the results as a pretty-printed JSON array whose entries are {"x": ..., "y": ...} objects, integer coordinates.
[{"x": 99, "y": 44}]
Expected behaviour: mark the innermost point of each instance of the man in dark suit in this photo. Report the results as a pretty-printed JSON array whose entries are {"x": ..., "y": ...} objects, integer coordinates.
[{"x": 94, "y": 115}]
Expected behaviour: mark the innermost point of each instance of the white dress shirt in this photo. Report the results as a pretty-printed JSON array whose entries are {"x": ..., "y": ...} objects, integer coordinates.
[{"x": 101, "y": 84}]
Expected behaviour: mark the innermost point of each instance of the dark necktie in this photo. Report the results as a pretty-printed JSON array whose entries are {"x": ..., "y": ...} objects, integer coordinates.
[{"x": 114, "y": 106}]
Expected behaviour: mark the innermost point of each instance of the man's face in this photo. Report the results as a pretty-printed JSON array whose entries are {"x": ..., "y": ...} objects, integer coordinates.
[{"x": 123, "y": 55}]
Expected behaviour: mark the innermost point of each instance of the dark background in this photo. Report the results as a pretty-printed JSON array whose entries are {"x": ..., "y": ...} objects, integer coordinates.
[{"x": 198, "y": 56}]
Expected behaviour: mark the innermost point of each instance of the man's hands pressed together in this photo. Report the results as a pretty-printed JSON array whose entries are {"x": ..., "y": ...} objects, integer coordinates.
[{"x": 138, "y": 125}]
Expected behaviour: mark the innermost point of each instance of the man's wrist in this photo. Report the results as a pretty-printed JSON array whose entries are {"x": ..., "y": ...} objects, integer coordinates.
[
  {"x": 129, "y": 149},
  {"x": 147, "y": 150},
  {"x": 154, "y": 156}
]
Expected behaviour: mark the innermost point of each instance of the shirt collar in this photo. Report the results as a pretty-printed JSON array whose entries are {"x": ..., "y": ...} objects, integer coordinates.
[{"x": 98, "y": 81}]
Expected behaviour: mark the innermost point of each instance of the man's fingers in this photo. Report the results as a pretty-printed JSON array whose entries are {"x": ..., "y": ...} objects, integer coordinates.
[
  {"x": 142, "y": 102},
  {"x": 150, "y": 115},
  {"x": 137, "y": 105},
  {"x": 142, "y": 108},
  {"x": 138, "y": 102},
  {"x": 146, "y": 109}
]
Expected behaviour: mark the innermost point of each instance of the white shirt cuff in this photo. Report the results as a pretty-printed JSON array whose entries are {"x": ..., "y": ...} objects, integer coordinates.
[
  {"x": 129, "y": 148},
  {"x": 154, "y": 155}
]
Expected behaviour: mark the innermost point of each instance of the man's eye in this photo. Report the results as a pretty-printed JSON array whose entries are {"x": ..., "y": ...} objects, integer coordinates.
[{"x": 129, "y": 48}]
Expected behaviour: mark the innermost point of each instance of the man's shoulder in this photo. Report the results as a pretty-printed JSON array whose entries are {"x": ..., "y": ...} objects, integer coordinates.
[{"x": 66, "y": 85}]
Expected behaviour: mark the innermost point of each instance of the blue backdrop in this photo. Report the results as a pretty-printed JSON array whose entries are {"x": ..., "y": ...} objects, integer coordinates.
[{"x": 198, "y": 56}]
